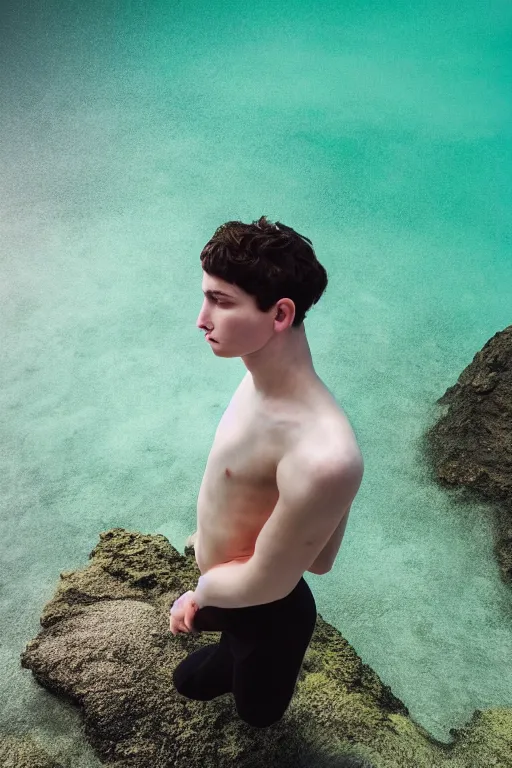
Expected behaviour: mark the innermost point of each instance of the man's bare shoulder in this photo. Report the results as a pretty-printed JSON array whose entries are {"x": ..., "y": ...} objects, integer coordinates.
[
  {"x": 329, "y": 438},
  {"x": 322, "y": 455},
  {"x": 327, "y": 451}
]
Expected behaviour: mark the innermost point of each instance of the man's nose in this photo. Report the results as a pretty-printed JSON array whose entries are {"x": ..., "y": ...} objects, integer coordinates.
[{"x": 202, "y": 320}]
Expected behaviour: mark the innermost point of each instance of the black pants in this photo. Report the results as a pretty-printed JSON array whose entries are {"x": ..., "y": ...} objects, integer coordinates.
[{"x": 258, "y": 658}]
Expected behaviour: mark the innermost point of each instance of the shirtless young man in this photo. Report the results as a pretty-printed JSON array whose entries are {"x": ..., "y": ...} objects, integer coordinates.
[{"x": 283, "y": 469}]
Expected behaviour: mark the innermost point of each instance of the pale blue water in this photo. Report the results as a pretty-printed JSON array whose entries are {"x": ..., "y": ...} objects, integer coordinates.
[{"x": 128, "y": 135}]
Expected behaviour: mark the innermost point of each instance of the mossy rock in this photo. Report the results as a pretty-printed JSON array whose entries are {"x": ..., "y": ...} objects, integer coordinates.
[{"x": 105, "y": 642}]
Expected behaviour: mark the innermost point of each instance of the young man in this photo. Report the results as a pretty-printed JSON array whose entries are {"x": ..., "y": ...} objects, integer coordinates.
[{"x": 280, "y": 479}]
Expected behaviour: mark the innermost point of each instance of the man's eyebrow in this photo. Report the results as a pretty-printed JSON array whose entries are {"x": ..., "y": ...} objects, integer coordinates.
[{"x": 210, "y": 294}]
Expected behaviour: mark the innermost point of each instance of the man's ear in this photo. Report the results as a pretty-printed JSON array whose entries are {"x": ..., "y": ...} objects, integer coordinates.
[{"x": 280, "y": 314}]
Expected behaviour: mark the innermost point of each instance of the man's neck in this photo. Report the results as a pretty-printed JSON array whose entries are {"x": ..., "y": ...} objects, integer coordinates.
[{"x": 283, "y": 370}]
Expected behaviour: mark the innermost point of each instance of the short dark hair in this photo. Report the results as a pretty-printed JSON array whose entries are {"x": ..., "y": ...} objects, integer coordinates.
[{"x": 268, "y": 261}]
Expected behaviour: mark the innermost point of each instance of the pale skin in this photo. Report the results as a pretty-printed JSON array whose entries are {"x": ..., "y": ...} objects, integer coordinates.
[{"x": 281, "y": 415}]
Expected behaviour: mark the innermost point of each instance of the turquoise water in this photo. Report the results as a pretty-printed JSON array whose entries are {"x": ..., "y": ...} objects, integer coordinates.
[{"x": 128, "y": 134}]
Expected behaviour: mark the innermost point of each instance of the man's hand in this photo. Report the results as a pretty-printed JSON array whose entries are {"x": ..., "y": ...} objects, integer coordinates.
[{"x": 182, "y": 614}]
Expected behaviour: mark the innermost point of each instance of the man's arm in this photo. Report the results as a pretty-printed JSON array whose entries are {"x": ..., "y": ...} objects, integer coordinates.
[
  {"x": 312, "y": 496},
  {"x": 325, "y": 560}
]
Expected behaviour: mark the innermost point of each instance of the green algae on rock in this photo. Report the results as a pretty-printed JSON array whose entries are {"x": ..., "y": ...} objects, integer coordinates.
[{"x": 105, "y": 642}]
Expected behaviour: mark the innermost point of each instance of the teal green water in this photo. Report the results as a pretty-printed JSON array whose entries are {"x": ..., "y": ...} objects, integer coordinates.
[{"x": 128, "y": 134}]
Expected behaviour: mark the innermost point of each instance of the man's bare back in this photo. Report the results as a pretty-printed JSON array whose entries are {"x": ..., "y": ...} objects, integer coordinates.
[{"x": 239, "y": 490}]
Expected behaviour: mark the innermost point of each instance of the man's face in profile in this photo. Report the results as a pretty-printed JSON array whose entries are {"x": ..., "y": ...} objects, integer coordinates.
[{"x": 237, "y": 326}]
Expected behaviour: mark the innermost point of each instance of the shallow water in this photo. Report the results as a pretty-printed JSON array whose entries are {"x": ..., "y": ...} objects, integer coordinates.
[{"x": 128, "y": 135}]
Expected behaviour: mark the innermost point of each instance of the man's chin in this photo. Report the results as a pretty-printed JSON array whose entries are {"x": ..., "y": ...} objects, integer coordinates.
[{"x": 218, "y": 350}]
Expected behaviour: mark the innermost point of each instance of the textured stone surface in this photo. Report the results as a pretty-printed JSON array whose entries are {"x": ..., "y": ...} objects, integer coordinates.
[
  {"x": 22, "y": 752},
  {"x": 105, "y": 642}
]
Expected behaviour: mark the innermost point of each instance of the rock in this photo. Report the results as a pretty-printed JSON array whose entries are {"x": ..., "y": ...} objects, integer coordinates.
[
  {"x": 470, "y": 446},
  {"x": 105, "y": 642},
  {"x": 22, "y": 752},
  {"x": 486, "y": 739}
]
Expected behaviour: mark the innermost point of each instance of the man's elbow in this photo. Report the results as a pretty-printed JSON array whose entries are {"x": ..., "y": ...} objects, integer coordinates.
[{"x": 319, "y": 571}]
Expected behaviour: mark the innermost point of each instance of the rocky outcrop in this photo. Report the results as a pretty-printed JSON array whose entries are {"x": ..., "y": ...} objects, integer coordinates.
[
  {"x": 105, "y": 642},
  {"x": 470, "y": 446}
]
